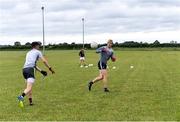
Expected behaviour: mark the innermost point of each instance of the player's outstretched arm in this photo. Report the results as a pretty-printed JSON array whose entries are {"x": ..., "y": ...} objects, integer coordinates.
[
  {"x": 47, "y": 65},
  {"x": 38, "y": 69}
]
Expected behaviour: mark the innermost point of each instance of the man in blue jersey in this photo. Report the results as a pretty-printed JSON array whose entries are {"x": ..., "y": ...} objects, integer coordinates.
[
  {"x": 106, "y": 52},
  {"x": 28, "y": 71}
]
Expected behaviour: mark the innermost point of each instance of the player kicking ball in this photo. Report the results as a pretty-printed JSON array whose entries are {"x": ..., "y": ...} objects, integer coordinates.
[
  {"x": 106, "y": 52},
  {"x": 28, "y": 71}
]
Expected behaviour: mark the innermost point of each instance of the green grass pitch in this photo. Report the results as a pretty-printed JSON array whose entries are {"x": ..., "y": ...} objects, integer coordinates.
[{"x": 149, "y": 91}]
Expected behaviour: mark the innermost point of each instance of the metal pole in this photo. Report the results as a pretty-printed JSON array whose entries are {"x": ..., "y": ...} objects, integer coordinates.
[
  {"x": 83, "y": 31},
  {"x": 43, "y": 30}
]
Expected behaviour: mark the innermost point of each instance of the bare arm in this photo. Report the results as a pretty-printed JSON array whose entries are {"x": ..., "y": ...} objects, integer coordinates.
[
  {"x": 47, "y": 64},
  {"x": 38, "y": 69},
  {"x": 44, "y": 73}
]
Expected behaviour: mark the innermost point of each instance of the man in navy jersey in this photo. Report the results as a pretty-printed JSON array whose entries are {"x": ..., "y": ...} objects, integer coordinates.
[{"x": 106, "y": 52}]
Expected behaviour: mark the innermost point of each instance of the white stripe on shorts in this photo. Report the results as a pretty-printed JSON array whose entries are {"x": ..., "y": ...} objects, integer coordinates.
[
  {"x": 101, "y": 65},
  {"x": 30, "y": 80}
]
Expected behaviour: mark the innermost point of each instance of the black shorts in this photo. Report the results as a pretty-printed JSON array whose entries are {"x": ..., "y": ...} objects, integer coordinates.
[
  {"x": 102, "y": 65},
  {"x": 28, "y": 73}
]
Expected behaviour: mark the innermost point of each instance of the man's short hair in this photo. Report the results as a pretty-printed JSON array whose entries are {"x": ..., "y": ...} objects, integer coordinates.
[
  {"x": 34, "y": 44},
  {"x": 110, "y": 41}
]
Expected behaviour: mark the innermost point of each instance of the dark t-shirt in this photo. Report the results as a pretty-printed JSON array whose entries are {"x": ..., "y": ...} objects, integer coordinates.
[{"x": 81, "y": 54}]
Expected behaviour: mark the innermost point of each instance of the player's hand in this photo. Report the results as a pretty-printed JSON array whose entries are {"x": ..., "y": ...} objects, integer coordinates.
[
  {"x": 113, "y": 59},
  {"x": 52, "y": 71},
  {"x": 44, "y": 73}
]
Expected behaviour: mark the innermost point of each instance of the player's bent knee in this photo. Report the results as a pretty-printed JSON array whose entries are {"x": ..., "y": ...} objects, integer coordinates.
[{"x": 101, "y": 77}]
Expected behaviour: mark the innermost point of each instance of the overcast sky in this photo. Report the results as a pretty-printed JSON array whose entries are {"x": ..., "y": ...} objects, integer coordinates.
[{"x": 138, "y": 20}]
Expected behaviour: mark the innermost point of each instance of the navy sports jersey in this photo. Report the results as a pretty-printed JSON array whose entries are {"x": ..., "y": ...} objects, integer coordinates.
[
  {"x": 81, "y": 54},
  {"x": 105, "y": 55}
]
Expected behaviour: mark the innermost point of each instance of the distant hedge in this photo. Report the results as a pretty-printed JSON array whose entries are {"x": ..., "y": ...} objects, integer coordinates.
[{"x": 66, "y": 46}]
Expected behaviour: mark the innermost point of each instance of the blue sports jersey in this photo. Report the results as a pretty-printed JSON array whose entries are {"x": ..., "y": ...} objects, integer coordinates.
[{"x": 105, "y": 55}]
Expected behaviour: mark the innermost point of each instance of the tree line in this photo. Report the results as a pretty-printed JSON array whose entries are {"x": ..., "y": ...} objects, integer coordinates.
[{"x": 126, "y": 44}]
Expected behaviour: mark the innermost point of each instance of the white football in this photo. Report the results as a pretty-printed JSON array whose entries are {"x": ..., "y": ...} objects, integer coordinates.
[
  {"x": 94, "y": 45},
  {"x": 131, "y": 67},
  {"x": 114, "y": 67}
]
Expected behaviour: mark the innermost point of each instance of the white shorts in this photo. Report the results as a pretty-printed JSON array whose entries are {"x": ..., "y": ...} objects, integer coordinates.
[
  {"x": 30, "y": 80},
  {"x": 82, "y": 58}
]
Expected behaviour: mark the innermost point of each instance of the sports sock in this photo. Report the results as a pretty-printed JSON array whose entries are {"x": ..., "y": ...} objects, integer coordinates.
[
  {"x": 91, "y": 82},
  {"x": 106, "y": 89},
  {"x": 30, "y": 100},
  {"x": 23, "y": 94}
]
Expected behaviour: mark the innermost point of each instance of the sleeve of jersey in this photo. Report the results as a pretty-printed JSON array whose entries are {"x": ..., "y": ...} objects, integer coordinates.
[{"x": 99, "y": 50}]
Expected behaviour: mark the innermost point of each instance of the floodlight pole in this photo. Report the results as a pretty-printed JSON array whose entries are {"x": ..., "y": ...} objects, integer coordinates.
[
  {"x": 83, "y": 31},
  {"x": 43, "y": 30}
]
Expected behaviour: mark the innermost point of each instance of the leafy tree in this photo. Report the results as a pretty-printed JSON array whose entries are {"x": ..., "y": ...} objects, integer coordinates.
[
  {"x": 156, "y": 42},
  {"x": 17, "y": 43},
  {"x": 28, "y": 44}
]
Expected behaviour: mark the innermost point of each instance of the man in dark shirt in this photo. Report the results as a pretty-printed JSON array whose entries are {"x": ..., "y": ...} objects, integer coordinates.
[{"x": 82, "y": 57}]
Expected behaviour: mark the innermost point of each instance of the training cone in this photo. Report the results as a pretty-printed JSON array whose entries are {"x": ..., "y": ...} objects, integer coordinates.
[{"x": 21, "y": 104}]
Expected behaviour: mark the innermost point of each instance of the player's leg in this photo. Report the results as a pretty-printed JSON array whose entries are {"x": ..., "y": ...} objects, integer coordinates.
[
  {"x": 28, "y": 74},
  {"x": 26, "y": 91},
  {"x": 84, "y": 62},
  {"x": 105, "y": 81},
  {"x": 81, "y": 62},
  {"x": 28, "y": 88},
  {"x": 98, "y": 78},
  {"x": 30, "y": 97}
]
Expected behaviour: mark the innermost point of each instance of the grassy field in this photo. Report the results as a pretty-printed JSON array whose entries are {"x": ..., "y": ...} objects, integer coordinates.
[{"x": 149, "y": 91}]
